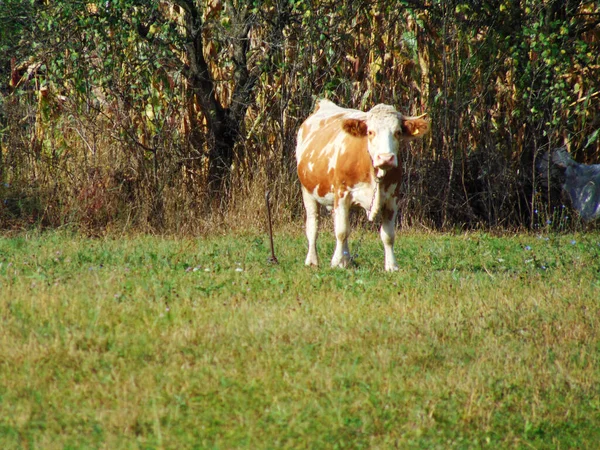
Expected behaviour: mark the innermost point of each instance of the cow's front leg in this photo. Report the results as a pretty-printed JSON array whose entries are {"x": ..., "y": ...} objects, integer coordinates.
[
  {"x": 341, "y": 256},
  {"x": 387, "y": 233}
]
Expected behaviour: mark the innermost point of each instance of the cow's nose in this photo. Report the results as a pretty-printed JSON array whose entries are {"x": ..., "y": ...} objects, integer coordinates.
[{"x": 385, "y": 160}]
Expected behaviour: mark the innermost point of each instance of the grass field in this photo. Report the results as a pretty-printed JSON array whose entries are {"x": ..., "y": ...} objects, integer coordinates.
[{"x": 147, "y": 342}]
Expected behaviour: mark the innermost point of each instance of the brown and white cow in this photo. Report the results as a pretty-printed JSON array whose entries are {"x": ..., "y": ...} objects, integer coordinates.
[{"x": 348, "y": 157}]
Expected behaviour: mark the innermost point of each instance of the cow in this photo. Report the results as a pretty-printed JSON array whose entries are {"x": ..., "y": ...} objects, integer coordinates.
[{"x": 346, "y": 158}]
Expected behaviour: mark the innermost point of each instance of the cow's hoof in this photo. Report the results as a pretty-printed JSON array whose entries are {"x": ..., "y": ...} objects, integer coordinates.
[
  {"x": 344, "y": 263},
  {"x": 311, "y": 261}
]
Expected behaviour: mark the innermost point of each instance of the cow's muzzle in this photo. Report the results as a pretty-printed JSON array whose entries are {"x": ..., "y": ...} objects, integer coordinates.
[{"x": 385, "y": 161}]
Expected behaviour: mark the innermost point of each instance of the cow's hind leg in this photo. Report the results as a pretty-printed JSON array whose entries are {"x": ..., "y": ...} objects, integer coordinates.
[
  {"x": 312, "y": 226},
  {"x": 341, "y": 256}
]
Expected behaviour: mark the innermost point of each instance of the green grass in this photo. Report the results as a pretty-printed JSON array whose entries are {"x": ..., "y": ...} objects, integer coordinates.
[{"x": 147, "y": 342}]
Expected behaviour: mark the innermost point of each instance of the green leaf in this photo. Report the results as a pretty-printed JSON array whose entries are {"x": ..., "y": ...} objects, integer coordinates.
[{"x": 592, "y": 138}]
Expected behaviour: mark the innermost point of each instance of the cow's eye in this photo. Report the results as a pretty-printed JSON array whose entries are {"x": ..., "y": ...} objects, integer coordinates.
[
  {"x": 398, "y": 134},
  {"x": 371, "y": 133}
]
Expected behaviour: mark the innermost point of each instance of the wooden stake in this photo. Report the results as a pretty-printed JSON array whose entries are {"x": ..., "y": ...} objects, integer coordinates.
[{"x": 273, "y": 258}]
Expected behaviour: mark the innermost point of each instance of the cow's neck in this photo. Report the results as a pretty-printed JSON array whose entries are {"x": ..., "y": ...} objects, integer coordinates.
[
  {"x": 376, "y": 200},
  {"x": 381, "y": 185}
]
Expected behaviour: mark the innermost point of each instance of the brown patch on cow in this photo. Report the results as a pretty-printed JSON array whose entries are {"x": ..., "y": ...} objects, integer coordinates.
[
  {"x": 412, "y": 128},
  {"x": 355, "y": 127},
  {"x": 320, "y": 175},
  {"x": 354, "y": 165},
  {"x": 389, "y": 214},
  {"x": 393, "y": 176}
]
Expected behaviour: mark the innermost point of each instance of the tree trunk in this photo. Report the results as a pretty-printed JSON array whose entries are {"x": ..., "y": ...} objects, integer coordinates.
[
  {"x": 224, "y": 124},
  {"x": 224, "y": 136}
]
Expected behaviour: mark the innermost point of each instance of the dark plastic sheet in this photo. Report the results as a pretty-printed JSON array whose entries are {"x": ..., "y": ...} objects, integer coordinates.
[{"x": 580, "y": 182}]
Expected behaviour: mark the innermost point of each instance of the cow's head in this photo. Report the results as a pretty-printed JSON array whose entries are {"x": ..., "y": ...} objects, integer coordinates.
[{"x": 385, "y": 128}]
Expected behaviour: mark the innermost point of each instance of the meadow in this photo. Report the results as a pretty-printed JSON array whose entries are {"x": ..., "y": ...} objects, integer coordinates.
[{"x": 479, "y": 341}]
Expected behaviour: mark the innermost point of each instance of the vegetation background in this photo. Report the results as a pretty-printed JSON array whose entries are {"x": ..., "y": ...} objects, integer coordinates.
[{"x": 177, "y": 115}]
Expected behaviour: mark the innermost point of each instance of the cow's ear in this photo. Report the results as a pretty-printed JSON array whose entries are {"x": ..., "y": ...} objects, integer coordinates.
[
  {"x": 414, "y": 127},
  {"x": 355, "y": 127}
]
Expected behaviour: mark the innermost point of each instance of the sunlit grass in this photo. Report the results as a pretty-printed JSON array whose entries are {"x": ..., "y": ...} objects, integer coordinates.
[{"x": 177, "y": 343}]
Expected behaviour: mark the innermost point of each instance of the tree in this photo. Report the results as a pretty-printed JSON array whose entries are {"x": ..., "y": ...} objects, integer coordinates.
[
  {"x": 208, "y": 43},
  {"x": 225, "y": 123}
]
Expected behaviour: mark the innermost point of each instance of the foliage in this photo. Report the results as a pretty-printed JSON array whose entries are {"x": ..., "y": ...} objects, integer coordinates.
[
  {"x": 478, "y": 340},
  {"x": 163, "y": 104}
]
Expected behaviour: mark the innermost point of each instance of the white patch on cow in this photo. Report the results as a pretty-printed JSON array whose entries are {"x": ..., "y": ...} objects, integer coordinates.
[
  {"x": 341, "y": 255},
  {"x": 300, "y": 149},
  {"x": 332, "y": 163},
  {"x": 362, "y": 195},
  {"x": 311, "y": 166},
  {"x": 328, "y": 150},
  {"x": 312, "y": 224},
  {"x": 389, "y": 192},
  {"x": 383, "y": 122},
  {"x": 334, "y": 150}
]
